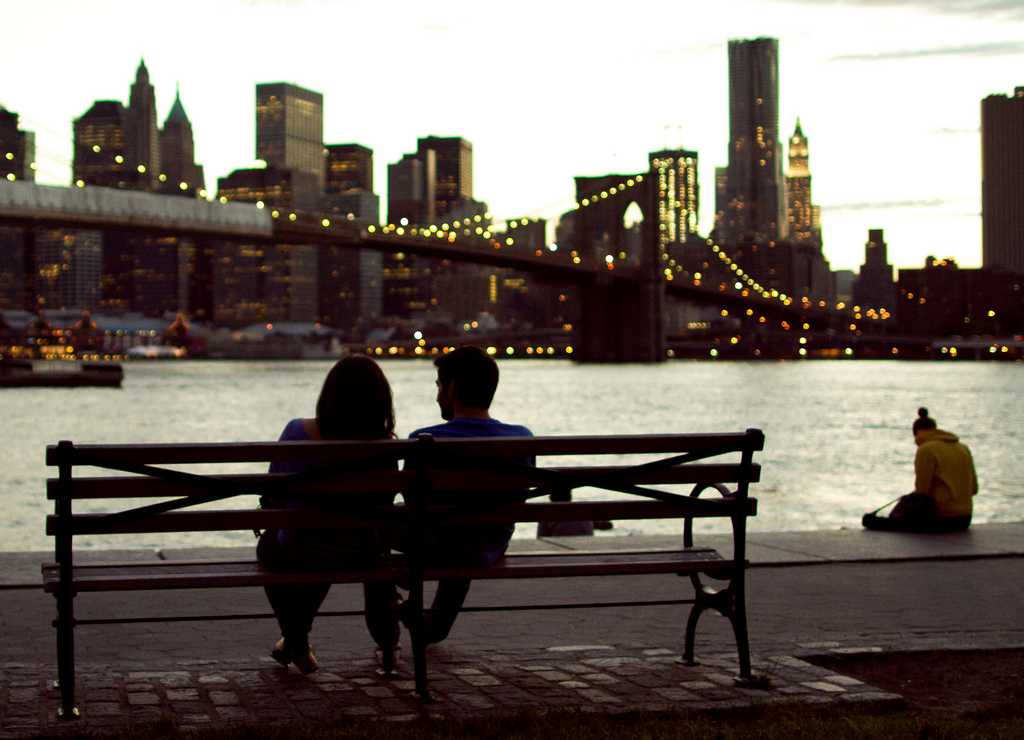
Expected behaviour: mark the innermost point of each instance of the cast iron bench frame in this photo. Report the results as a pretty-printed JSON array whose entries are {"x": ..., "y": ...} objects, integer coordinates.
[{"x": 477, "y": 470}]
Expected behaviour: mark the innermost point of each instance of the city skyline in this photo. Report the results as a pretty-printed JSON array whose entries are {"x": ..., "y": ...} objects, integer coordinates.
[{"x": 893, "y": 122}]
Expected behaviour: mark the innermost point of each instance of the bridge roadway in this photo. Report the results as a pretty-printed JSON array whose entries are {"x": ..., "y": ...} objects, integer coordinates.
[{"x": 27, "y": 204}]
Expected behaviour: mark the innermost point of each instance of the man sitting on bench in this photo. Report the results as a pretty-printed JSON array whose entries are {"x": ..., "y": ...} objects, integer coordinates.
[{"x": 466, "y": 381}]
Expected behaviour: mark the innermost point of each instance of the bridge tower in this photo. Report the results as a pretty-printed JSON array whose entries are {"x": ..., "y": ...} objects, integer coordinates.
[{"x": 622, "y": 306}]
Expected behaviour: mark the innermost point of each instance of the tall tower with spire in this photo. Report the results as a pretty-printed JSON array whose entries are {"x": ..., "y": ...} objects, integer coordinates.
[
  {"x": 179, "y": 175},
  {"x": 143, "y": 137},
  {"x": 802, "y": 215}
]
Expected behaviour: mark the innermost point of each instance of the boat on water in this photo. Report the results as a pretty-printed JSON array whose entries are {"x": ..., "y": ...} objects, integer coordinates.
[
  {"x": 59, "y": 374},
  {"x": 155, "y": 352}
]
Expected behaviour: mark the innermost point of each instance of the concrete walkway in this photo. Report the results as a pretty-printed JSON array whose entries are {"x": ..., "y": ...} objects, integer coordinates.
[{"x": 808, "y": 593}]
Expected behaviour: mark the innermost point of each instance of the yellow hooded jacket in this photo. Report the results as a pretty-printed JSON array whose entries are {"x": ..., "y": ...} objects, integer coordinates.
[{"x": 944, "y": 470}]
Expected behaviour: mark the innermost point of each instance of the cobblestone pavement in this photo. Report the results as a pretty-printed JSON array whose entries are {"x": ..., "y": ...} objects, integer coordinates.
[
  {"x": 809, "y": 593},
  {"x": 604, "y": 678}
]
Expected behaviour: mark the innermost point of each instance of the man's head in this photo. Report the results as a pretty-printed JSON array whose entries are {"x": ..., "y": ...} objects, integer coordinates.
[
  {"x": 923, "y": 422},
  {"x": 466, "y": 378}
]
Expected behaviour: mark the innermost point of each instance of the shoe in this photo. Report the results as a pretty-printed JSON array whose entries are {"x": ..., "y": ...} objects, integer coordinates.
[
  {"x": 387, "y": 658},
  {"x": 305, "y": 661}
]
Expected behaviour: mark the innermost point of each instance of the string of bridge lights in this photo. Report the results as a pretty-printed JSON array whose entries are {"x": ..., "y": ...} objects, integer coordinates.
[
  {"x": 120, "y": 160},
  {"x": 596, "y": 198}
]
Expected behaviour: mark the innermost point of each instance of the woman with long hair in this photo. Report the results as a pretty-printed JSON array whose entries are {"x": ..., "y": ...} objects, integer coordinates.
[{"x": 355, "y": 404}]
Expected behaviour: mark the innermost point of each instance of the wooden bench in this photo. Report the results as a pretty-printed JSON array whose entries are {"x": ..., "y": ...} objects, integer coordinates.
[{"x": 476, "y": 476}]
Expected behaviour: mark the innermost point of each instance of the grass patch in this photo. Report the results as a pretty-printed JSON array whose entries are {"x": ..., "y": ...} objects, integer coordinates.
[{"x": 771, "y": 723}]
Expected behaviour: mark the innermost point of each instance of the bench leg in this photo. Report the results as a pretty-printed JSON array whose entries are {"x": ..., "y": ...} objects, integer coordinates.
[
  {"x": 65, "y": 624},
  {"x": 703, "y": 598},
  {"x": 691, "y": 634},
  {"x": 418, "y": 636},
  {"x": 730, "y": 602},
  {"x": 738, "y": 618}
]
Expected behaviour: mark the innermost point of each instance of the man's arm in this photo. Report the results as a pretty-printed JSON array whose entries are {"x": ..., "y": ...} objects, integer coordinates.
[
  {"x": 924, "y": 471},
  {"x": 974, "y": 473}
]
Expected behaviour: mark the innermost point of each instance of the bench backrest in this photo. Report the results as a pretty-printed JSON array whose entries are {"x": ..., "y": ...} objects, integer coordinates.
[{"x": 478, "y": 470}]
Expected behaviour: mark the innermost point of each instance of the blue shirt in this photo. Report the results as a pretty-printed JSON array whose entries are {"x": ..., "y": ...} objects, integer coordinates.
[
  {"x": 471, "y": 427},
  {"x": 491, "y": 540},
  {"x": 295, "y": 431}
]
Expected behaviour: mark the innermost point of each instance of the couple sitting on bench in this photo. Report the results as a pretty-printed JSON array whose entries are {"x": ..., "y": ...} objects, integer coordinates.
[{"x": 356, "y": 404}]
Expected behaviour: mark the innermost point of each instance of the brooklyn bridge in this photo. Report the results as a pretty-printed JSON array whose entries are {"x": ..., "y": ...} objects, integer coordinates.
[{"x": 625, "y": 276}]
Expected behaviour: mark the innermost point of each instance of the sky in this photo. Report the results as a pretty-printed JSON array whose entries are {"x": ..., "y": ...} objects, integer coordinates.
[{"x": 888, "y": 91}]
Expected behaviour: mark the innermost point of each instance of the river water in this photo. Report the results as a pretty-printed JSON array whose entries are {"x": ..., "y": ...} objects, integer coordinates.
[{"x": 838, "y": 433}]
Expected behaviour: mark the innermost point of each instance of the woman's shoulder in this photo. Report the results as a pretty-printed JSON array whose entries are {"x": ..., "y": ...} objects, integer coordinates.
[{"x": 299, "y": 430}]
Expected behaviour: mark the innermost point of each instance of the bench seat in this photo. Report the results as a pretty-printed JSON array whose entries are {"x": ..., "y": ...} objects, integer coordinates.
[{"x": 187, "y": 574}]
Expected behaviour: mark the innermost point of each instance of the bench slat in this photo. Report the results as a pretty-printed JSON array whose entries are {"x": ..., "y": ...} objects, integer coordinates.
[
  {"x": 598, "y": 510},
  {"x": 139, "y": 486},
  {"x": 335, "y": 451},
  {"x": 166, "y": 575},
  {"x": 114, "y": 487},
  {"x": 593, "y": 564},
  {"x": 244, "y": 519}
]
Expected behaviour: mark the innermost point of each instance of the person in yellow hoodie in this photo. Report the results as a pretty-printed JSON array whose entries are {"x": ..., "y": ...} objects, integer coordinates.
[{"x": 945, "y": 484}]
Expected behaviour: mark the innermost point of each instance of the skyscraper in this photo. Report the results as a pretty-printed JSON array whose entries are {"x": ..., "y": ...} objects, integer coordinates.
[
  {"x": 102, "y": 155},
  {"x": 120, "y": 147},
  {"x": 348, "y": 188},
  {"x": 874, "y": 287},
  {"x": 411, "y": 188},
  {"x": 453, "y": 180},
  {"x": 721, "y": 187},
  {"x": 17, "y": 274},
  {"x": 801, "y": 213},
  {"x": 1002, "y": 181},
  {"x": 271, "y": 185},
  {"x": 406, "y": 280},
  {"x": 103, "y": 158},
  {"x": 349, "y": 167},
  {"x": 143, "y": 135},
  {"x": 17, "y": 149},
  {"x": 68, "y": 265},
  {"x": 290, "y": 128},
  {"x": 350, "y": 279},
  {"x": 754, "y": 203},
  {"x": 179, "y": 172},
  {"x": 678, "y": 194},
  {"x": 17, "y": 163}
]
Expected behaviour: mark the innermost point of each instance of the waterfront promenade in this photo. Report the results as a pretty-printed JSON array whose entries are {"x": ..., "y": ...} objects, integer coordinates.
[{"x": 809, "y": 593}]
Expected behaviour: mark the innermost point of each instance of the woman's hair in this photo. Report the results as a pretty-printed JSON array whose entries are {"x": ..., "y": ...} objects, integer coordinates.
[
  {"x": 355, "y": 402},
  {"x": 923, "y": 421}
]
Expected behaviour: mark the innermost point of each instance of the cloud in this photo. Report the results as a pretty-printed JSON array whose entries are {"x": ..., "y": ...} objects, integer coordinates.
[
  {"x": 885, "y": 205},
  {"x": 994, "y": 48},
  {"x": 681, "y": 52},
  {"x": 955, "y": 131},
  {"x": 281, "y": 4},
  {"x": 434, "y": 27},
  {"x": 1005, "y": 9}
]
